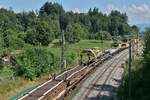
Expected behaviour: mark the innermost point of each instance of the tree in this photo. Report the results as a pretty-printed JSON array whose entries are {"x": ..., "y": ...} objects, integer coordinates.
[
  {"x": 93, "y": 12},
  {"x": 33, "y": 62},
  {"x": 27, "y": 19},
  {"x": 30, "y": 37},
  {"x": 85, "y": 20},
  {"x": 11, "y": 40},
  {"x": 95, "y": 26},
  {"x": 50, "y": 8},
  {"x": 134, "y": 31},
  {"x": 146, "y": 42},
  {"x": 64, "y": 21},
  {"x": 69, "y": 34},
  {"x": 42, "y": 34},
  {"x": 74, "y": 33},
  {"x": 44, "y": 26},
  {"x": 118, "y": 23},
  {"x": 1, "y": 41},
  {"x": 79, "y": 30},
  {"x": 103, "y": 35}
]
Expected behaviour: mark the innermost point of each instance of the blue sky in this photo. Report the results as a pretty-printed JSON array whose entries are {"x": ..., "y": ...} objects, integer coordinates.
[{"x": 137, "y": 10}]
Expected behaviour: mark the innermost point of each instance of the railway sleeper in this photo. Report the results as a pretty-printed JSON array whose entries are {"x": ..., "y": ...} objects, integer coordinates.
[{"x": 55, "y": 92}]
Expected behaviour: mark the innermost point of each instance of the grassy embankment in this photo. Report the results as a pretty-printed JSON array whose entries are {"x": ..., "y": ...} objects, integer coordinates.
[
  {"x": 136, "y": 81},
  {"x": 9, "y": 87}
]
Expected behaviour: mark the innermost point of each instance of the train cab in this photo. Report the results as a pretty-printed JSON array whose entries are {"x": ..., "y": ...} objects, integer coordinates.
[
  {"x": 116, "y": 45},
  {"x": 90, "y": 55},
  {"x": 124, "y": 45}
]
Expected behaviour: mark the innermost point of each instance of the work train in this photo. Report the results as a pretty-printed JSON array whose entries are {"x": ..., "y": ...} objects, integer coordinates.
[
  {"x": 92, "y": 55},
  {"x": 88, "y": 56}
]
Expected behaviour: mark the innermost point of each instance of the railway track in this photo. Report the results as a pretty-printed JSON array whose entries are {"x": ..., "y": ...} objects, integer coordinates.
[
  {"x": 108, "y": 90},
  {"x": 102, "y": 93},
  {"x": 38, "y": 92},
  {"x": 102, "y": 76},
  {"x": 41, "y": 91},
  {"x": 108, "y": 87},
  {"x": 53, "y": 89}
]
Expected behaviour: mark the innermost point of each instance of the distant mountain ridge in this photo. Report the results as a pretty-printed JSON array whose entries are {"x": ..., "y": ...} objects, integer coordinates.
[{"x": 143, "y": 27}]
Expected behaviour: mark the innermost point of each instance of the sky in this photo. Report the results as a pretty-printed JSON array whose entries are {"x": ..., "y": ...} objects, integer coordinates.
[{"x": 138, "y": 11}]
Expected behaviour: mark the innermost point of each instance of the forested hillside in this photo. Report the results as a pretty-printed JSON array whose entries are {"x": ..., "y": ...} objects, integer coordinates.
[
  {"x": 26, "y": 37},
  {"x": 45, "y": 25}
]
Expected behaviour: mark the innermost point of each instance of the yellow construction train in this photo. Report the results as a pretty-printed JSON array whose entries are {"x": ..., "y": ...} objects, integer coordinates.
[{"x": 90, "y": 55}]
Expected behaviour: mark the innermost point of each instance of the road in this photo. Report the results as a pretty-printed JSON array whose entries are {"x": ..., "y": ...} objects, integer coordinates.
[{"x": 102, "y": 84}]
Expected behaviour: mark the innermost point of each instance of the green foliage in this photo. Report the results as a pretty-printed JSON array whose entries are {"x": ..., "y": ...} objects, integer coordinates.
[
  {"x": 79, "y": 30},
  {"x": 1, "y": 42},
  {"x": 33, "y": 62},
  {"x": 26, "y": 19},
  {"x": 40, "y": 28},
  {"x": 20, "y": 30},
  {"x": 6, "y": 73},
  {"x": 71, "y": 58},
  {"x": 11, "y": 41},
  {"x": 147, "y": 42},
  {"x": 134, "y": 31},
  {"x": 42, "y": 34},
  {"x": 30, "y": 37},
  {"x": 74, "y": 32},
  {"x": 69, "y": 34},
  {"x": 103, "y": 35},
  {"x": 136, "y": 83},
  {"x": 51, "y": 8},
  {"x": 140, "y": 75},
  {"x": 118, "y": 23}
]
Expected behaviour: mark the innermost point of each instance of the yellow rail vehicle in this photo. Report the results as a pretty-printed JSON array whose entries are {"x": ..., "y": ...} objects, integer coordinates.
[
  {"x": 124, "y": 45},
  {"x": 97, "y": 51},
  {"x": 116, "y": 45},
  {"x": 90, "y": 55}
]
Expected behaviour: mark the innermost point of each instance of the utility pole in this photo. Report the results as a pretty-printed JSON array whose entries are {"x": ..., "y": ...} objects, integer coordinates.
[
  {"x": 63, "y": 61},
  {"x": 102, "y": 41},
  {"x": 129, "y": 70},
  {"x": 137, "y": 44},
  {"x": 62, "y": 51},
  {"x": 133, "y": 50}
]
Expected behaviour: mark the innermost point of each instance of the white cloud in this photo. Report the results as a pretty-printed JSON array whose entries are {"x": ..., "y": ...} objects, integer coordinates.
[
  {"x": 111, "y": 7},
  {"x": 3, "y": 6},
  {"x": 142, "y": 11},
  {"x": 139, "y": 8},
  {"x": 137, "y": 13},
  {"x": 76, "y": 10}
]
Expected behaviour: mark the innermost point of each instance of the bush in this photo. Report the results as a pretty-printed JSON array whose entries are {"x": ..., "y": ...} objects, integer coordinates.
[
  {"x": 11, "y": 40},
  {"x": 70, "y": 58},
  {"x": 140, "y": 76},
  {"x": 34, "y": 62}
]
